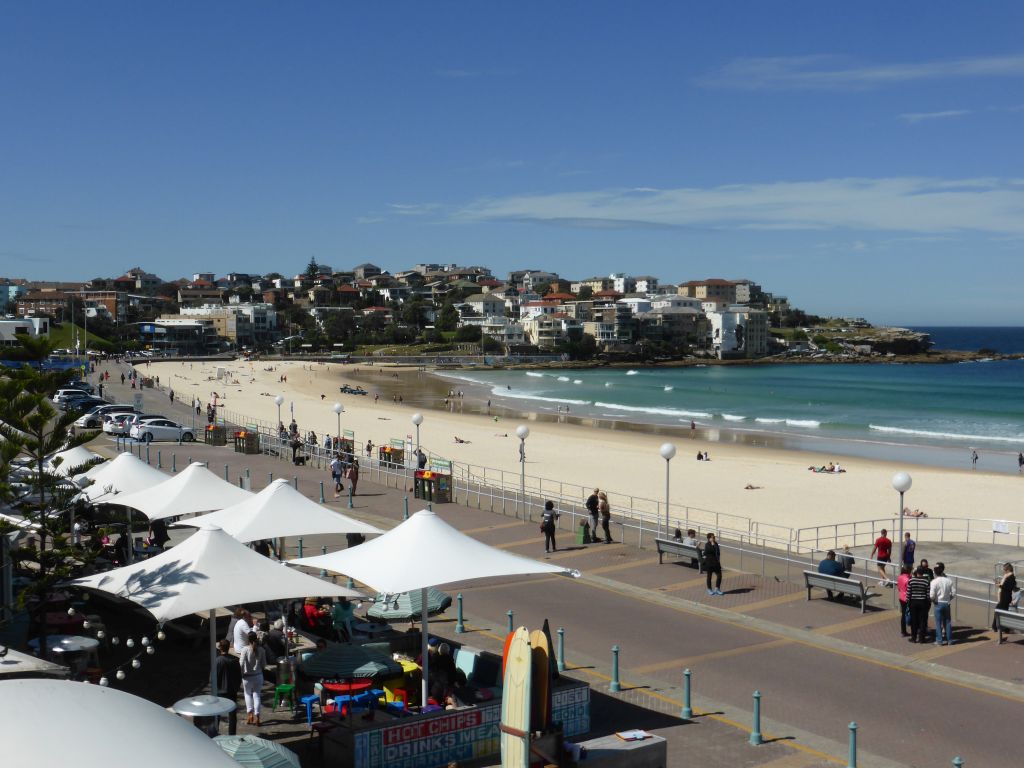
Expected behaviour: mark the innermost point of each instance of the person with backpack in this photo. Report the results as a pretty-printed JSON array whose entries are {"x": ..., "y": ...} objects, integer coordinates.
[{"x": 547, "y": 526}]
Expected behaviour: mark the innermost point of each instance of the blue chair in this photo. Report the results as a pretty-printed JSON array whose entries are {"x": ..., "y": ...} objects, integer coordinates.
[{"x": 309, "y": 701}]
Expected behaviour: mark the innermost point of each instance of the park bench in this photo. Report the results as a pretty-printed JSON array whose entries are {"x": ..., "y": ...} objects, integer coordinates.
[
  {"x": 851, "y": 587},
  {"x": 676, "y": 547},
  {"x": 1008, "y": 620}
]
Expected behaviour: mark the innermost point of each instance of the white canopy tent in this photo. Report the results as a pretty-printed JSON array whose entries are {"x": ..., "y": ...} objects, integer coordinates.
[
  {"x": 278, "y": 511},
  {"x": 79, "y": 721},
  {"x": 208, "y": 570},
  {"x": 120, "y": 477},
  {"x": 70, "y": 459},
  {"x": 194, "y": 489},
  {"x": 423, "y": 552}
]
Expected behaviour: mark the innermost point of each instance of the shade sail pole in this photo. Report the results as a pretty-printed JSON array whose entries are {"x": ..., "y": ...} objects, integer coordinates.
[
  {"x": 424, "y": 647},
  {"x": 213, "y": 651}
]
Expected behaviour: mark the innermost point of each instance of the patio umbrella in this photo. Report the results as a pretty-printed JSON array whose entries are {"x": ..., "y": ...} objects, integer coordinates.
[
  {"x": 341, "y": 660},
  {"x": 278, "y": 511},
  {"x": 71, "y": 459},
  {"x": 124, "y": 475},
  {"x": 423, "y": 552},
  {"x": 208, "y": 570},
  {"x": 89, "y": 726},
  {"x": 408, "y": 606},
  {"x": 256, "y": 752},
  {"x": 194, "y": 489}
]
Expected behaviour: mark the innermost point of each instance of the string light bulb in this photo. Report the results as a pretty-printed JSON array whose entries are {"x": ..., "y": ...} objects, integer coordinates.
[
  {"x": 160, "y": 635},
  {"x": 86, "y": 624},
  {"x": 144, "y": 641},
  {"x": 150, "y": 650},
  {"x": 136, "y": 663},
  {"x": 104, "y": 682},
  {"x": 130, "y": 643},
  {"x": 115, "y": 641},
  {"x": 100, "y": 634},
  {"x": 71, "y": 611},
  {"x": 120, "y": 674}
]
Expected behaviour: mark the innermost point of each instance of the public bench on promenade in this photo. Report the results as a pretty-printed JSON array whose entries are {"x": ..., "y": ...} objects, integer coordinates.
[
  {"x": 1007, "y": 621},
  {"x": 676, "y": 547},
  {"x": 852, "y": 587}
]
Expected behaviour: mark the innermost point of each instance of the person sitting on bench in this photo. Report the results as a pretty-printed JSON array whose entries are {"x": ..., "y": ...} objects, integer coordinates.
[{"x": 831, "y": 567}]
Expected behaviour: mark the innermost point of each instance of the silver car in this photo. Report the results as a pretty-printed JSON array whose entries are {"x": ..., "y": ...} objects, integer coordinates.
[{"x": 148, "y": 430}]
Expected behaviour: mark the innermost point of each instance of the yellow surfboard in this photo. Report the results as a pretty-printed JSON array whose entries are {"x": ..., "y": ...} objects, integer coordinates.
[
  {"x": 540, "y": 687},
  {"x": 515, "y": 702}
]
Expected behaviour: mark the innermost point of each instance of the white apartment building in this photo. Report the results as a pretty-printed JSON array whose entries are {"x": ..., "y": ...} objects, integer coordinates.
[
  {"x": 646, "y": 284},
  {"x": 738, "y": 331},
  {"x": 637, "y": 305},
  {"x": 485, "y": 305},
  {"x": 12, "y": 331},
  {"x": 622, "y": 283},
  {"x": 674, "y": 301}
]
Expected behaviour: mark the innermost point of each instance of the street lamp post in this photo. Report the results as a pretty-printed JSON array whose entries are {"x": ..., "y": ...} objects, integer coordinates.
[
  {"x": 417, "y": 419},
  {"x": 278, "y": 401},
  {"x": 668, "y": 451},
  {"x": 901, "y": 481},
  {"x": 338, "y": 409},
  {"x": 522, "y": 432}
]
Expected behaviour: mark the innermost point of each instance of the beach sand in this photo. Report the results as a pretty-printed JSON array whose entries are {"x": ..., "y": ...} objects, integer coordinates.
[{"x": 623, "y": 461}]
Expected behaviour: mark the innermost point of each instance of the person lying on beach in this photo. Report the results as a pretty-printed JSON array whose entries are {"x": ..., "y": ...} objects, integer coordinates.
[
  {"x": 915, "y": 513},
  {"x": 460, "y": 440},
  {"x": 749, "y": 487}
]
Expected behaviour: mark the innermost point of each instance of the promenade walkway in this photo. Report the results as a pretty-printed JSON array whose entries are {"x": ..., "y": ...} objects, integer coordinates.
[{"x": 818, "y": 665}]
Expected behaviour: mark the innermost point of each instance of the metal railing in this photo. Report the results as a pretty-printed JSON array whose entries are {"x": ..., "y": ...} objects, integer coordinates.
[{"x": 961, "y": 530}]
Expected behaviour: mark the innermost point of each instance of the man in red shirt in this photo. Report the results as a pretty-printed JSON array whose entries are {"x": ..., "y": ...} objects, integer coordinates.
[{"x": 883, "y": 548}]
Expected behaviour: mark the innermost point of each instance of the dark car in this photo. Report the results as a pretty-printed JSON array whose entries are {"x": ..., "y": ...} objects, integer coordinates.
[{"x": 349, "y": 390}]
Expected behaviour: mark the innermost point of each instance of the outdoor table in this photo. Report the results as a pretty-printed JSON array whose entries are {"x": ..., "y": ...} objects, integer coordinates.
[
  {"x": 350, "y": 687},
  {"x": 74, "y": 651}
]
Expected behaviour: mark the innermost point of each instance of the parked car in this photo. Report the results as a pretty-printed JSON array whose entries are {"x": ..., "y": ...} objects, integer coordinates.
[
  {"x": 83, "y": 404},
  {"x": 121, "y": 423},
  {"x": 94, "y": 418},
  {"x": 85, "y": 386},
  {"x": 149, "y": 430},
  {"x": 67, "y": 392}
]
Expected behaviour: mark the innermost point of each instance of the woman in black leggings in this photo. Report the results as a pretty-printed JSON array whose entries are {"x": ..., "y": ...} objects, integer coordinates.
[{"x": 713, "y": 564}]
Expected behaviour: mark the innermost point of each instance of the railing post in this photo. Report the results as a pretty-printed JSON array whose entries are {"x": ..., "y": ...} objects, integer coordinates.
[
  {"x": 174, "y": 463},
  {"x": 270, "y": 477},
  {"x": 755, "y": 734},
  {"x": 159, "y": 460},
  {"x": 147, "y": 453},
  {"x": 687, "y": 711},
  {"x": 226, "y": 472},
  {"x": 561, "y": 650},
  {"x": 958, "y": 762},
  {"x": 322, "y": 499},
  {"x": 351, "y": 493},
  {"x": 300, "y": 546},
  {"x": 295, "y": 481},
  {"x": 459, "y": 626},
  {"x": 851, "y": 761},
  {"x": 510, "y": 616},
  {"x": 323, "y": 551},
  {"x": 615, "y": 686},
  {"x": 405, "y": 512},
  {"x": 350, "y": 583}
]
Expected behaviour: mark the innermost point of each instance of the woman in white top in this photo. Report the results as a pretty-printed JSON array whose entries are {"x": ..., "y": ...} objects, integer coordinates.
[{"x": 252, "y": 661}]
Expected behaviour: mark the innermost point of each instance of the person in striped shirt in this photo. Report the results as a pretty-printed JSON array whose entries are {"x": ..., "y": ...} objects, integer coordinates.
[{"x": 919, "y": 602}]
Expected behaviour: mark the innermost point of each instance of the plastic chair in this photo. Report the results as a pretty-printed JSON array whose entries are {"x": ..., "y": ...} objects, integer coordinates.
[
  {"x": 285, "y": 692},
  {"x": 308, "y": 702}
]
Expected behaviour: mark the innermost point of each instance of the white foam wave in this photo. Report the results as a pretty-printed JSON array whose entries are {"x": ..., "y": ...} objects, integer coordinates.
[
  {"x": 802, "y": 423},
  {"x": 447, "y": 375},
  {"x": 769, "y": 421},
  {"x": 577, "y": 381},
  {"x": 731, "y": 417},
  {"x": 654, "y": 411},
  {"x": 499, "y": 392},
  {"x": 668, "y": 389},
  {"x": 631, "y": 373},
  {"x": 535, "y": 374},
  {"x": 607, "y": 383},
  {"x": 563, "y": 378},
  {"x": 944, "y": 435}
]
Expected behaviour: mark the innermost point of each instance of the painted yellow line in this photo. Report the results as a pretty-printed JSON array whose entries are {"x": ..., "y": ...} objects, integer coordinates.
[
  {"x": 938, "y": 651},
  {"x": 538, "y": 540},
  {"x": 792, "y": 761},
  {"x": 508, "y": 585},
  {"x": 486, "y": 528},
  {"x": 861, "y": 621},
  {"x": 681, "y": 585},
  {"x": 619, "y": 566},
  {"x": 769, "y": 602},
  {"x": 691, "y": 661},
  {"x": 565, "y": 554}
]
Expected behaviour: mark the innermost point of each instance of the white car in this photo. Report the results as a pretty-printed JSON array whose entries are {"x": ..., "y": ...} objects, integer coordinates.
[
  {"x": 121, "y": 423},
  {"x": 94, "y": 418},
  {"x": 148, "y": 430},
  {"x": 61, "y": 395}
]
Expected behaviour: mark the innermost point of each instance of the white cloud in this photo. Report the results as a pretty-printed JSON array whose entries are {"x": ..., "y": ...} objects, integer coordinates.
[
  {"x": 413, "y": 209},
  {"x": 900, "y": 204},
  {"x": 917, "y": 117},
  {"x": 833, "y": 72}
]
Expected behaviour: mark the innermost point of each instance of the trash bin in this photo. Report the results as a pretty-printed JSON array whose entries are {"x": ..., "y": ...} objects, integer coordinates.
[
  {"x": 391, "y": 455},
  {"x": 583, "y": 532},
  {"x": 216, "y": 435},
  {"x": 247, "y": 441},
  {"x": 433, "y": 486}
]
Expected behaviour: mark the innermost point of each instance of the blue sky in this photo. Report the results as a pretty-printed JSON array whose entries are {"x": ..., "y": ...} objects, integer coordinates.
[{"x": 862, "y": 159}]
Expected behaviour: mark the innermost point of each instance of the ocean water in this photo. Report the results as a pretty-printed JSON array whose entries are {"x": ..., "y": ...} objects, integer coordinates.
[
  {"x": 1007, "y": 340},
  {"x": 858, "y": 409}
]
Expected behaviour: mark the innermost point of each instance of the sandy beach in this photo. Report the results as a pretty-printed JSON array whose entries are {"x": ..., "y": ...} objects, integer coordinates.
[{"x": 621, "y": 461}]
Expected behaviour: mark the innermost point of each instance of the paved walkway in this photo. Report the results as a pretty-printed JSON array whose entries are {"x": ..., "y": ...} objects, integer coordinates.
[{"x": 818, "y": 665}]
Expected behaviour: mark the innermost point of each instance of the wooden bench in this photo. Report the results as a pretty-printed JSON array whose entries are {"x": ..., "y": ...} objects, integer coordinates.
[
  {"x": 676, "y": 547},
  {"x": 851, "y": 587},
  {"x": 1009, "y": 620}
]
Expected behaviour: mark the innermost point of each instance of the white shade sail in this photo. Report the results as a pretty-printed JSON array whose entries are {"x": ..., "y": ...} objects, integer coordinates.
[
  {"x": 125, "y": 474},
  {"x": 277, "y": 511},
  {"x": 210, "y": 569},
  {"x": 71, "y": 459},
  {"x": 424, "y": 551},
  {"x": 194, "y": 489},
  {"x": 67, "y": 735}
]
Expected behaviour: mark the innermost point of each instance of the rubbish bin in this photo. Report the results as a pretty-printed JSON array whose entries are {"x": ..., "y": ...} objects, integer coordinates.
[
  {"x": 216, "y": 435},
  {"x": 391, "y": 455},
  {"x": 247, "y": 441},
  {"x": 583, "y": 532},
  {"x": 432, "y": 486}
]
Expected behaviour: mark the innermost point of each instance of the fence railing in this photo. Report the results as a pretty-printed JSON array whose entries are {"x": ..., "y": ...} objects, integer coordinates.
[{"x": 962, "y": 530}]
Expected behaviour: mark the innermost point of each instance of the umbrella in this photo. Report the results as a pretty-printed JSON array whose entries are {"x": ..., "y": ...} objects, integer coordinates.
[
  {"x": 71, "y": 459},
  {"x": 208, "y": 570},
  {"x": 277, "y": 511},
  {"x": 194, "y": 489},
  {"x": 256, "y": 752},
  {"x": 76, "y": 732},
  {"x": 407, "y": 606},
  {"x": 124, "y": 475},
  {"x": 342, "y": 660},
  {"x": 406, "y": 558}
]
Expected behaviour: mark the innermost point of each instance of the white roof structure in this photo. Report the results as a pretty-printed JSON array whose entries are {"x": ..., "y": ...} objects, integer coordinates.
[
  {"x": 424, "y": 551},
  {"x": 125, "y": 474},
  {"x": 210, "y": 569},
  {"x": 277, "y": 511},
  {"x": 71, "y": 459},
  {"x": 85, "y": 713},
  {"x": 19, "y": 665},
  {"x": 194, "y": 489}
]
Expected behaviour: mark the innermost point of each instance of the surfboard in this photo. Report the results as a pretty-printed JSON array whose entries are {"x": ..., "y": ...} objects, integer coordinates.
[
  {"x": 540, "y": 688},
  {"x": 504, "y": 652},
  {"x": 515, "y": 702}
]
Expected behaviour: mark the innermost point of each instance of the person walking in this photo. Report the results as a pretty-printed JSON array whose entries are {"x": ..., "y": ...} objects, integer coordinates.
[
  {"x": 918, "y": 602},
  {"x": 713, "y": 564},
  {"x": 606, "y": 516},
  {"x": 1020, "y": 462},
  {"x": 909, "y": 549},
  {"x": 942, "y": 593},
  {"x": 229, "y": 680},
  {"x": 336, "y": 470},
  {"x": 352, "y": 473},
  {"x": 974, "y": 459},
  {"x": 1007, "y": 586},
  {"x": 593, "y": 507},
  {"x": 901, "y": 585},
  {"x": 547, "y": 526},
  {"x": 883, "y": 548},
  {"x": 251, "y": 662},
  {"x": 421, "y": 459}
]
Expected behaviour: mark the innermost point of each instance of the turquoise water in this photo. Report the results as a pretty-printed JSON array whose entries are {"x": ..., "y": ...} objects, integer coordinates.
[{"x": 962, "y": 406}]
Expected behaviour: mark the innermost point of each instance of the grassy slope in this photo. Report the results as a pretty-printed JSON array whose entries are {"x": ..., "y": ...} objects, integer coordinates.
[{"x": 64, "y": 338}]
